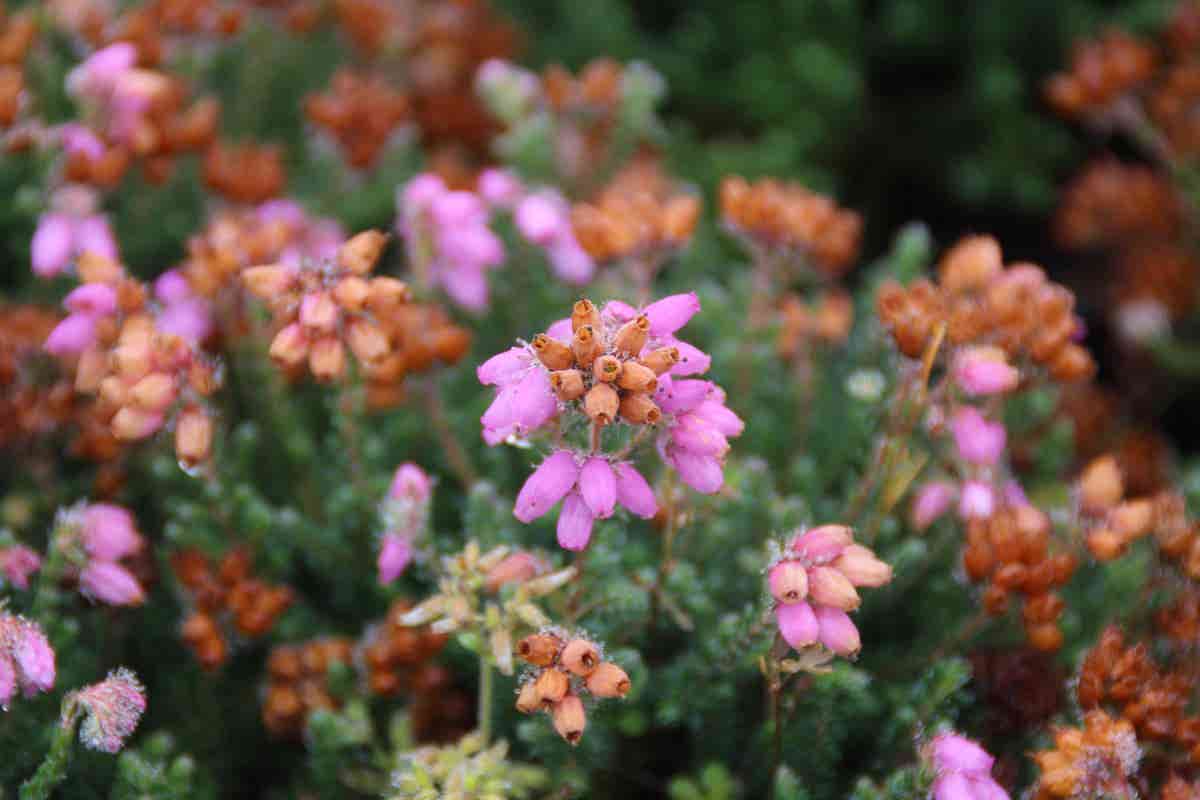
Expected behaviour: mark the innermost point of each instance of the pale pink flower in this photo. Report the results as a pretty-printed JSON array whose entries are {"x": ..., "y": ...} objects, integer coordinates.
[
  {"x": 500, "y": 188},
  {"x": 978, "y": 440},
  {"x": 113, "y": 709},
  {"x": 395, "y": 554},
  {"x": 963, "y": 769},
  {"x": 544, "y": 219},
  {"x": 17, "y": 563},
  {"x": 412, "y": 483},
  {"x": 181, "y": 312},
  {"x": 932, "y": 501},
  {"x": 76, "y": 333},
  {"x": 70, "y": 228},
  {"x": 983, "y": 371},
  {"x": 977, "y": 500},
  {"x": 26, "y": 658},
  {"x": 109, "y": 532},
  {"x": 110, "y": 583}
]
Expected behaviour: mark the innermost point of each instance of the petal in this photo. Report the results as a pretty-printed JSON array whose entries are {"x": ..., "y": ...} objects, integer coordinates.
[
  {"x": 702, "y": 473},
  {"x": 574, "y": 523},
  {"x": 634, "y": 493},
  {"x": 93, "y": 235},
  {"x": 51, "y": 245},
  {"x": 956, "y": 753},
  {"x": 570, "y": 262},
  {"x": 720, "y": 417},
  {"x": 676, "y": 396},
  {"x": 952, "y": 786},
  {"x": 598, "y": 486},
  {"x": 504, "y": 368},
  {"x": 696, "y": 436},
  {"x": 534, "y": 401},
  {"x": 110, "y": 583},
  {"x": 467, "y": 286},
  {"x": 822, "y": 544},
  {"x": 560, "y": 330},
  {"x": 837, "y": 631},
  {"x": 97, "y": 299},
  {"x": 71, "y": 336},
  {"x": 692, "y": 360},
  {"x": 546, "y": 485},
  {"x": 671, "y": 313},
  {"x": 797, "y": 624},
  {"x": 109, "y": 533},
  {"x": 394, "y": 557},
  {"x": 932, "y": 500},
  {"x": 621, "y": 312}
]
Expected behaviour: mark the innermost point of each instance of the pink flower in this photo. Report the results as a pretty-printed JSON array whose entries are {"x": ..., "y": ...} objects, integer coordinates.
[
  {"x": 189, "y": 319},
  {"x": 978, "y": 441},
  {"x": 72, "y": 336},
  {"x": 696, "y": 437},
  {"x": 17, "y": 563},
  {"x": 412, "y": 483},
  {"x": 544, "y": 219},
  {"x": 983, "y": 371},
  {"x": 932, "y": 500},
  {"x": 92, "y": 299},
  {"x": 78, "y": 140},
  {"x": 52, "y": 244},
  {"x": 114, "y": 707},
  {"x": 109, "y": 533},
  {"x": 8, "y": 680},
  {"x": 500, "y": 187},
  {"x": 814, "y": 588},
  {"x": 977, "y": 500},
  {"x": 521, "y": 406},
  {"x": 99, "y": 73},
  {"x": 394, "y": 557},
  {"x": 963, "y": 769},
  {"x": 26, "y": 658},
  {"x": 110, "y": 583}
]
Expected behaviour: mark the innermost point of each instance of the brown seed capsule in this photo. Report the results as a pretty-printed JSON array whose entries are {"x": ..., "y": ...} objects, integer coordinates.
[
  {"x": 1011, "y": 576},
  {"x": 1100, "y": 485},
  {"x": 639, "y": 409},
  {"x": 368, "y": 343},
  {"x": 1047, "y": 637},
  {"x": 601, "y": 403},
  {"x": 569, "y": 719},
  {"x": 386, "y": 293},
  {"x": 193, "y": 436},
  {"x": 580, "y": 657},
  {"x": 539, "y": 649},
  {"x": 527, "y": 699},
  {"x": 608, "y": 680},
  {"x": 585, "y": 345},
  {"x": 631, "y": 337},
  {"x": 662, "y": 359},
  {"x": 567, "y": 384},
  {"x": 995, "y": 600},
  {"x": 267, "y": 282},
  {"x": 585, "y": 313},
  {"x": 1043, "y": 608},
  {"x": 1132, "y": 519},
  {"x": 351, "y": 293},
  {"x": 1105, "y": 544},
  {"x": 327, "y": 359},
  {"x": 978, "y": 561},
  {"x": 552, "y": 353},
  {"x": 359, "y": 253},
  {"x": 552, "y": 685},
  {"x": 606, "y": 369},
  {"x": 637, "y": 378}
]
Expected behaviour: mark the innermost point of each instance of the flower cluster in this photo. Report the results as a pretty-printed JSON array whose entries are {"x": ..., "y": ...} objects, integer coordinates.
[
  {"x": 245, "y": 172},
  {"x": 616, "y": 368},
  {"x": 17, "y": 563},
  {"x": 227, "y": 602},
  {"x": 405, "y": 512},
  {"x": 826, "y": 321},
  {"x": 397, "y": 657},
  {"x": 298, "y": 682},
  {"x": 963, "y": 769},
  {"x": 26, "y": 658},
  {"x": 113, "y": 707},
  {"x": 72, "y": 226},
  {"x": 98, "y": 542},
  {"x": 1103, "y": 70},
  {"x": 565, "y": 669},
  {"x": 1095, "y": 761},
  {"x": 813, "y": 583},
  {"x": 360, "y": 113}
]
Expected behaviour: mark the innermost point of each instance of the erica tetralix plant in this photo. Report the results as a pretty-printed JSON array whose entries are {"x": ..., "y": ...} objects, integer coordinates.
[{"x": 600, "y": 382}]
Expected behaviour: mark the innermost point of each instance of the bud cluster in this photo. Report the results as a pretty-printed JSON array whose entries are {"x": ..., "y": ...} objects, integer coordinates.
[
  {"x": 1112, "y": 203},
  {"x": 996, "y": 315},
  {"x": 1095, "y": 761},
  {"x": 396, "y": 657},
  {"x": 227, "y": 601},
  {"x": 1102, "y": 72},
  {"x": 566, "y": 669},
  {"x": 360, "y": 112},
  {"x": 322, "y": 308},
  {"x": 26, "y": 658},
  {"x": 813, "y": 582},
  {"x": 793, "y": 222},
  {"x": 1112, "y": 523},
  {"x": 298, "y": 683},
  {"x": 100, "y": 543},
  {"x": 1010, "y": 552},
  {"x": 826, "y": 320},
  {"x": 245, "y": 172}
]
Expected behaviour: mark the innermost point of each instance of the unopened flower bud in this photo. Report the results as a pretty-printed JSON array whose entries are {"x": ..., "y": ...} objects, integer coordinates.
[
  {"x": 154, "y": 392},
  {"x": 567, "y": 384},
  {"x": 290, "y": 345},
  {"x": 639, "y": 409},
  {"x": 828, "y": 586},
  {"x": 267, "y": 282},
  {"x": 631, "y": 337},
  {"x": 131, "y": 424},
  {"x": 114, "y": 706},
  {"x": 318, "y": 312},
  {"x": 637, "y": 378},
  {"x": 367, "y": 341},
  {"x": 608, "y": 680},
  {"x": 327, "y": 359},
  {"x": 360, "y": 252},
  {"x": 1105, "y": 544},
  {"x": 601, "y": 403},
  {"x": 788, "y": 581},
  {"x": 606, "y": 369},
  {"x": 662, "y": 359},
  {"x": 351, "y": 293},
  {"x": 1132, "y": 519},
  {"x": 553, "y": 354},
  {"x": 580, "y": 657},
  {"x": 539, "y": 649},
  {"x": 111, "y": 583},
  {"x": 861, "y": 567},
  {"x": 585, "y": 313},
  {"x": 552, "y": 685},
  {"x": 527, "y": 699},
  {"x": 387, "y": 293},
  {"x": 679, "y": 218},
  {"x": 585, "y": 346},
  {"x": 1100, "y": 485},
  {"x": 193, "y": 436},
  {"x": 569, "y": 719}
]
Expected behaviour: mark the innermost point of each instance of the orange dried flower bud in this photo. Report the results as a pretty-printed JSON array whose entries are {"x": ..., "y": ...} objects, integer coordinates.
[
  {"x": 91, "y": 369},
  {"x": 202, "y": 379},
  {"x": 386, "y": 293},
  {"x": 1011, "y": 576},
  {"x": 1073, "y": 363},
  {"x": 327, "y": 359},
  {"x": 1100, "y": 485},
  {"x": 585, "y": 345},
  {"x": 267, "y": 282},
  {"x": 154, "y": 392},
  {"x": 585, "y": 313},
  {"x": 679, "y": 218},
  {"x": 131, "y": 423},
  {"x": 1047, "y": 637},
  {"x": 601, "y": 403},
  {"x": 580, "y": 657},
  {"x": 290, "y": 345},
  {"x": 1105, "y": 544},
  {"x": 552, "y": 685},
  {"x": 351, "y": 293},
  {"x": 862, "y": 567},
  {"x": 608, "y": 680},
  {"x": 631, "y": 337},
  {"x": 971, "y": 264},
  {"x": 567, "y": 384},
  {"x": 639, "y": 409},
  {"x": 1132, "y": 519},
  {"x": 1043, "y": 608},
  {"x": 359, "y": 253},
  {"x": 606, "y": 369},
  {"x": 539, "y": 649},
  {"x": 95, "y": 268},
  {"x": 553, "y": 354},
  {"x": 319, "y": 313},
  {"x": 569, "y": 719},
  {"x": 662, "y": 359},
  {"x": 995, "y": 600},
  {"x": 978, "y": 561},
  {"x": 368, "y": 343},
  {"x": 528, "y": 700},
  {"x": 638, "y": 378},
  {"x": 193, "y": 436}
]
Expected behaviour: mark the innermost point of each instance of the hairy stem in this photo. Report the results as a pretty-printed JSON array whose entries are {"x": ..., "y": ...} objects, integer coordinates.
[
  {"x": 53, "y": 769},
  {"x": 486, "y": 681}
]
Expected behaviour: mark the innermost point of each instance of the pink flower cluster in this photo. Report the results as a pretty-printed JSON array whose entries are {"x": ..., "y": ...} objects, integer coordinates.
[
  {"x": 814, "y": 582},
  {"x": 113, "y": 708},
  {"x": 87, "y": 306},
  {"x": 17, "y": 563},
  {"x": 181, "y": 311},
  {"x": 99, "y": 536},
  {"x": 448, "y": 239},
  {"x": 963, "y": 770},
  {"x": 69, "y": 229},
  {"x": 406, "y": 516},
  {"x": 544, "y": 219},
  {"x": 978, "y": 449},
  {"x": 982, "y": 371},
  {"x": 310, "y": 238},
  {"x": 117, "y": 94},
  {"x": 26, "y": 659}
]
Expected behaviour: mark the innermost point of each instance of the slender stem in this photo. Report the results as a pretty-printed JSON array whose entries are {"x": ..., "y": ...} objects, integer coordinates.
[
  {"x": 54, "y": 767},
  {"x": 776, "y": 689},
  {"x": 460, "y": 462},
  {"x": 486, "y": 680}
]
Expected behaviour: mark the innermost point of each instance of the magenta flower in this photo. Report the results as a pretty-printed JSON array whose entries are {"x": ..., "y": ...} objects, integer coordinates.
[
  {"x": 984, "y": 371},
  {"x": 813, "y": 584},
  {"x": 412, "y": 483},
  {"x": 932, "y": 501},
  {"x": 544, "y": 219},
  {"x": 500, "y": 188},
  {"x": 181, "y": 311},
  {"x": 405, "y": 513},
  {"x": 70, "y": 228},
  {"x": 109, "y": 533},
  {"x": 590, "y": 487},
  {"x": 395, "y": 554},
  {"x": 26, "y": 658},
  {"x": 979, "y": 441},
  {"x": 963, "y": 769},
  {"x": 109, "y": 582},
  {"x": 977, "y": 500},
  {"x": 98, "y": 75},
  {"x": 17, "y": 563},
  {"x": 113, "y": 709}
]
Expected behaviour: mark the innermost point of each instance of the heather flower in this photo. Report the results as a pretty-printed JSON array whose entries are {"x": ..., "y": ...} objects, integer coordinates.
[
  {"x": 405, "y": 512},
  {"x": 17, "y": 563},
  {"x": 544, "y": 219},
  {"x": 963, "y": 770},
  {"x": 94, "y": 538},
  {"x": 26, "y": 658},
  {"x": 979, "y": 441},
  {"x": 111, "y": 583},
  {"x": 500, "y": 188},
  {"x": 181, "y": 312},
  {"x": 983, "y": 371},
  {"x": 814, "y": 586},
  {"x": 69, "y": 229},
  {"x": 395, "y": 554},
  {"x": 113, "y": 709},
  {"x": 977, "y": 500},
  {"x": 932, "y": 501},
  {"x": 109, "y": 533}
]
